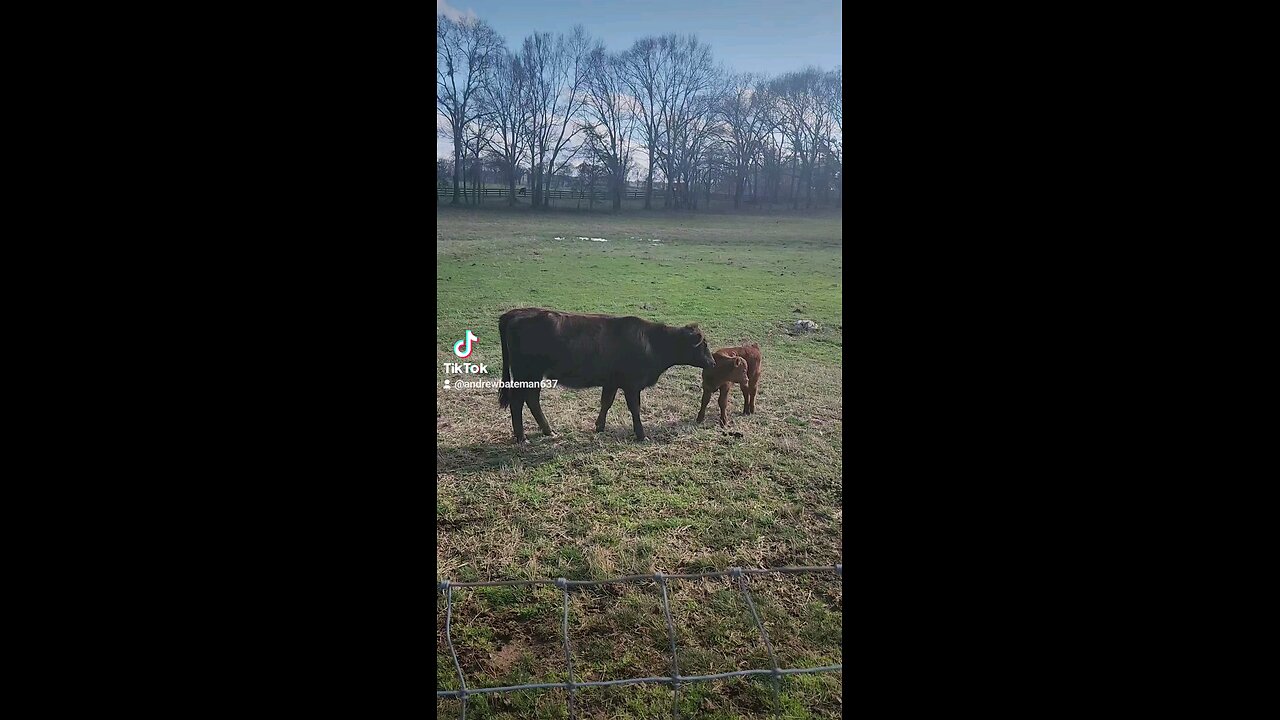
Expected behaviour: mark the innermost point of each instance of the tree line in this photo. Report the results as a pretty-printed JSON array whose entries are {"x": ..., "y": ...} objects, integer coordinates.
[{"x": 563, "y": 104}]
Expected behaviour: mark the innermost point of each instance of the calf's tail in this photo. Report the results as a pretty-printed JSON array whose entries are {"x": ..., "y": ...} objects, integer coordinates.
[{"x": 504, "y": 394}]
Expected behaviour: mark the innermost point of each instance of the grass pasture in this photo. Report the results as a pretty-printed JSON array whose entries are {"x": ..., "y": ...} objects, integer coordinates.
[{"x": 584, "y": 505}]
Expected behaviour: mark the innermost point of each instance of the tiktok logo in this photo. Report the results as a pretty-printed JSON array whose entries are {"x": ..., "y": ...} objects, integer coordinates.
[{"x": 457, "y": 347}]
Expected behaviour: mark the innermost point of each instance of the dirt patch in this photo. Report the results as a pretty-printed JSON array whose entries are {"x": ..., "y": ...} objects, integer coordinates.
[{"x": 502, "y": 661}]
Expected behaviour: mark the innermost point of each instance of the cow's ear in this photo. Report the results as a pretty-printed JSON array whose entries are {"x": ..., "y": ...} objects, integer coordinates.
[{"x": 740, "y": 363}]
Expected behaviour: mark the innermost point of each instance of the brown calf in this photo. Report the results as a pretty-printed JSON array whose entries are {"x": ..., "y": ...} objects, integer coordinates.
[{"x": 737, "y": 365}]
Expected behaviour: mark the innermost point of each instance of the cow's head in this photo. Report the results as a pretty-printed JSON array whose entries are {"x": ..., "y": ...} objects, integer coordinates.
[{"x": 694, "y": 350}]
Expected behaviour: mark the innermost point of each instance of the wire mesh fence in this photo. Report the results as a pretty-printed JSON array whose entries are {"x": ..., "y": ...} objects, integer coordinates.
[{"x": 675, "y": 679}]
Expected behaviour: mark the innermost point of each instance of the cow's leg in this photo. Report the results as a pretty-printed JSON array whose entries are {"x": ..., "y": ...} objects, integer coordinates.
[
  {"x": 724, "y": 403},
  {"x": 633, "y": 403},
  {"x": 517, "y": 414},
  {"x": 607, "y": 396},
  {"x": 534, "y": 398},
  {"x": 706, "y": 398},
  {"x": 746, "y": 398}
]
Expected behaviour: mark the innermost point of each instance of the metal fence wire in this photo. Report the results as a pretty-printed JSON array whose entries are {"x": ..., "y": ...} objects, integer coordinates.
[{"x": 675, "y": 680}]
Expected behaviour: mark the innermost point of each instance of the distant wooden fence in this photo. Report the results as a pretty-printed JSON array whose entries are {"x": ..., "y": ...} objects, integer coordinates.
[{"x": 602, "y": 196}]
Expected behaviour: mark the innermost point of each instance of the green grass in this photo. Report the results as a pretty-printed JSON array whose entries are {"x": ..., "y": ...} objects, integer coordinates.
[{"x": 587, "y": 505}]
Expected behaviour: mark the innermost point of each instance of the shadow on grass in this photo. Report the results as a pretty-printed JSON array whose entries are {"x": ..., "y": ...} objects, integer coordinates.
[{"x": 482, "y": 456}]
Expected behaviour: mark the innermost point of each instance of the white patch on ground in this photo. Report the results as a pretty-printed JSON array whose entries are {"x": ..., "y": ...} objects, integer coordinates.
[
  {"x": 582, "y": 238},
  {"x": 598, "y": 240},
  {"x": 804, "y": 326},
  {"x": 559, "y": 238}
]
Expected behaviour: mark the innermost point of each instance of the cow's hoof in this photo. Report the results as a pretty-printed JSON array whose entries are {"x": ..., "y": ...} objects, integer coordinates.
[
  {"x": 550, "y": 433},
  {"x": 599, "y": 428},
  {"x": 642, "y": 439},
  {"x": 522, "y": 441}
]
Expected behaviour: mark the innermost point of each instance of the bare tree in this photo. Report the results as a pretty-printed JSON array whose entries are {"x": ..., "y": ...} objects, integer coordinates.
[
  {"x": 562, "y": 96},
  {"x": 805, "y": 123},
  {"x": 646, "y": 72},
  {"x": 575, "y": 49},
  {"x": 789, "y": 112},
  {"x": 609, "y": 118},
  {"x": 556, "y": 73},
  {"x": 587, "y": 176},
  {"x": 837, "y": 115},
  {"x": 808, "y": 100},
  {"x": 709, "y": 160},
  {"x": 689, "y": 76},
  {"x": 465, "y": 52},
  {"x": 504, "y": 99},
  {"x": 747, "y": 110},
  {"x": 818, "y": 123},
  {"x": 692, "y": 140},
  {"x": 774, "y": 160},
  {"x": 477, "y": 137}
]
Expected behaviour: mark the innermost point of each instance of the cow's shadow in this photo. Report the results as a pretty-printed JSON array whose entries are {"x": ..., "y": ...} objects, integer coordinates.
[{"x": 490, "y": 454}]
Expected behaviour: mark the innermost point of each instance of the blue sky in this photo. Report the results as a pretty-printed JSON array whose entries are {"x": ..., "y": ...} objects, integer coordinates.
[{"x": 745, "y": 35}]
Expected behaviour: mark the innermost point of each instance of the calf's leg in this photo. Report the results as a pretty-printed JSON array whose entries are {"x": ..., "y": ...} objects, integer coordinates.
[
  {"x": 633, "y": 403},
  {"x": 724, "y": 403},
  {"x": 607, "y": 396},
  {"x": 746, "y": 398},
  {"x": 755, "y": 388}
]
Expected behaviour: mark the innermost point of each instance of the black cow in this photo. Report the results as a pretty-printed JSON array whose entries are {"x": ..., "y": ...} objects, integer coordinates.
[{"x": 583, "y": 351}]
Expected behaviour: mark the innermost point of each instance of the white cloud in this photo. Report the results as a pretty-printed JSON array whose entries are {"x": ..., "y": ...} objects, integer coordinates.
[{"x": 444, "y": 8}]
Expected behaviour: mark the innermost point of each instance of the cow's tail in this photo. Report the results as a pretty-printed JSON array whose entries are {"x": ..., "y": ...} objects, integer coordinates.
[{"x": 504, "y": 393}]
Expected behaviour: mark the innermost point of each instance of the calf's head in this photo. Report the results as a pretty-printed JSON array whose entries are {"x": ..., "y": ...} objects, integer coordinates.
[
  {"x": 738, "y": 374},
  {"x": 692, "y": 348},
  {"x": 728, "y": 369}
]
